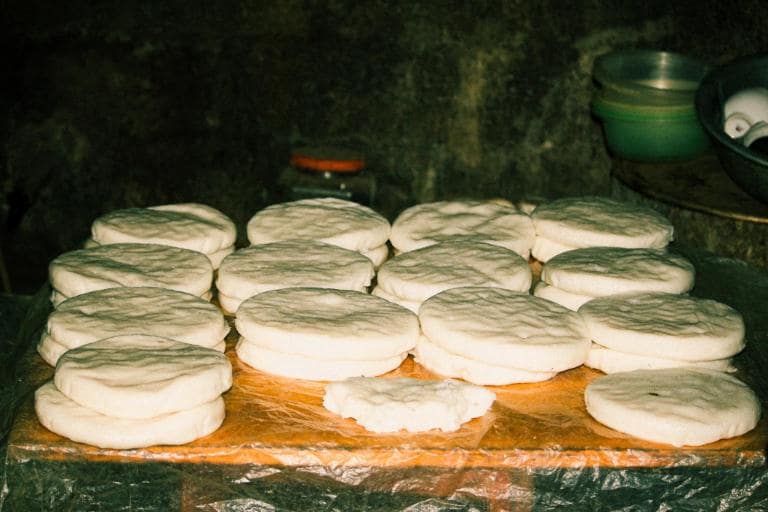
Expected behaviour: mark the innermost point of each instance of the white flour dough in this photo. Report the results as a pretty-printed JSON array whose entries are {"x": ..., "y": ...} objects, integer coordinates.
[
  {"x": 293, "y": 263},
  {"x": 679, "y": 406},
  {"x": 438, "y": 360},
  {"x": 412, "y": 305},
  {"x": 193, "y": 226},
  {"x": 601, "y": 271},
  {"x": 390, "y": 405},
  {"x": 666, "y": 326},
  {"x": 330, "y": 220},
  {"x": 51, "y": 351},
  {"x": 62, "y": 416},
  {"x": 569, "y": 300},
  {"x": 296, "y": 366},
  {"x": 544, "y": 249},
  {"x": 109, "y": 266},
  {"x": 137, "y": 376},
  {"x": 505, "y": 328},
  {"x": 599, "y": 221},
  {"x": 143, "y": 310},
  {"x": 377, "y": 255},
  {"x": 613, "y": 361},
  {"x": 327, "y": 324},
  {"x": 419, "y": 274},
  {"x": 215, "y": 257},
  {"x": 481, "y": 221}
]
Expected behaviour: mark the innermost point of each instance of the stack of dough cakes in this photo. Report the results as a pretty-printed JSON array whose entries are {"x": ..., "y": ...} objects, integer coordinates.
[
  {"x": 575, "y": 277},
  {"x": 412, "y": 277},
  {"x": 192, "y": 226},
  {"x": 596, "y": 246},
  {"x": 576, "y": 222},
  {"x": 496, "y": 336},
  {"x": 323, "y": 333},
  {"x": 138, "y": 348},
  {"x": 133, "y": 314},
  {"x": 132, "y": 391},
  {"x": 131, "y": 264},
  {"x": 330, "y": 220},
  {"x": 661, "y": 330},
  {"x": 292, "y": 263},
  {"x": 110, "y": 312}
]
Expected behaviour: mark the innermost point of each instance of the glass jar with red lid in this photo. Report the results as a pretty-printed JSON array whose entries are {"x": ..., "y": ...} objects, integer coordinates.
[{"x": 327, "y": 171}]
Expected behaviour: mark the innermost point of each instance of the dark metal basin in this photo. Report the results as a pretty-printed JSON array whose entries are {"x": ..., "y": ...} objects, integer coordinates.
[{"x": 748, "y": 167}]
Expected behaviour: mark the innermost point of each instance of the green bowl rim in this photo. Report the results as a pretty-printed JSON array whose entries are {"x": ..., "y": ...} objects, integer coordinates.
[{"x": 607, "y": 109}]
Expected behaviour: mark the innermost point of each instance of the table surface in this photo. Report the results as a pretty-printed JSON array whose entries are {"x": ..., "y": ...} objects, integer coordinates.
[
  {"x": 276, "y": 421},
  {"x": 700, "y": 185}
]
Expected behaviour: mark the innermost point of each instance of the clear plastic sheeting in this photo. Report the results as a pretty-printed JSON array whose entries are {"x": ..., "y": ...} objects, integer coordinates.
[{"x": 279, "y": 449}]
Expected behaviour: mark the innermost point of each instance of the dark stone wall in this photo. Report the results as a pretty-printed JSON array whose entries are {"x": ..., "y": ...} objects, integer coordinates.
[{"x": 112, "y": 104}]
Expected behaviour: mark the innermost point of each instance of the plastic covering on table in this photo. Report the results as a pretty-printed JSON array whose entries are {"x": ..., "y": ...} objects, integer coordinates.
[{"x": 279, "y": 449}]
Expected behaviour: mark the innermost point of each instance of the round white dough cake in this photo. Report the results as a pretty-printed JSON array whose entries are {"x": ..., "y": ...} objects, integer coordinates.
[
  {"x": 193, "y": 226},
  {"x": 296, "y": 366},
  {"x": 109, "y": 266},
  {"x": 334, "y": 221},
  {"x": 139, "y": 376},
  {"x": 419, "y": 274},
  {"x": 442, "y": 362},
  {"x": 415, "y": 405},
  {"x": 327, "y": 324},
  {"x": 292, "y": 263},
  {"x": 665, "y": 325},
  {"x": 678, "y": 406},
  {"x": 155, "y": 311},
  {"x": 612, "y": 361},
  {"x": 62, "y": 416},
  {"x": 482, "y": 221},
  {"x": 599, "y": 221},
  {"x": 505, "y": 328},
  {"x": 601, "y": 271}
]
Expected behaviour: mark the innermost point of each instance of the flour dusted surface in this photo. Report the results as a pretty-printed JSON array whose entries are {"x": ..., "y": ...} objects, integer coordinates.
[{"x": 391, "y": 405}]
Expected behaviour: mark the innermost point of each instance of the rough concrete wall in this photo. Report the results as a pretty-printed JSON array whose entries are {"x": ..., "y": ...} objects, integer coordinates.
[{"x": 141, "y": 103}]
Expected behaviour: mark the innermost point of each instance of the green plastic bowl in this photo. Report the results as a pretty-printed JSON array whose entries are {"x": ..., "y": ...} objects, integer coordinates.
[
  {"x": 645, "y": 100},
  {"x": 646, "y": 133}
]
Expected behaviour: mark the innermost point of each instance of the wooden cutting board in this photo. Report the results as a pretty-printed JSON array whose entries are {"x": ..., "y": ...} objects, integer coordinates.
[{"x": 276, "y": 421}]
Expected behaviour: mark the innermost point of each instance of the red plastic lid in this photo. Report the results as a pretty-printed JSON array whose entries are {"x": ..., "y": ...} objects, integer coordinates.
[{"x": 328, "y": 159}]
